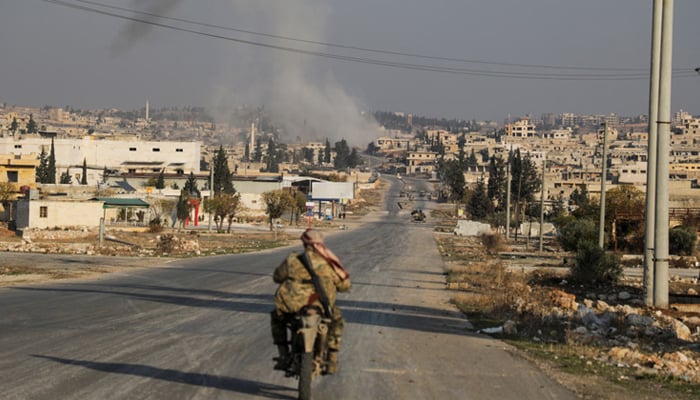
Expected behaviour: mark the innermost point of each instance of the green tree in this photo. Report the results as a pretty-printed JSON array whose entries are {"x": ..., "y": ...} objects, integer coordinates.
[
  {"x": 472, "y": 162},
  {"x": 271, "y": 161},
  {"x": 594, "y": 266},
  {"x": 452, "y": 179},
  {"x": 354, "y": 158},
  {"x": 276, "y": 203},
  {"x": 498, "y": 181},
  {"x": 257, "y": 156},
  {"x": 42, "y": 170},
  {"x": 579, "y": 198},
  {"x": 31, "y": 125},
  {"x": 222, "y": 173},
  {"x": 160, "y": 181},
  {"x": 224, "y": 207},
  {"x": 298, "y": 205},
  {"x": 191, "y": 187},
  {"x": 307, "y": 154},
  {"x": 327, "y": 152},
  {"x": 66, "y": 179},
  {"x": 246, "y": 155},
  {"x": 83, "y": 178},
  {"x": 682, "y": 240},
  {"x": 575, "y": 231},
  {"x": 183, "y": 208},
  {"x": 558, "y": 208},
  {"x": 342, "y": 153},
  {"x": 629, "y": 232},
  {"x": 479, "y": 205},
  {"x": 372, "y": 149},
  {"x": 526, "y": 180},
  {"x": 51, "y": 165},
  {"x": 14, "y": 125}
]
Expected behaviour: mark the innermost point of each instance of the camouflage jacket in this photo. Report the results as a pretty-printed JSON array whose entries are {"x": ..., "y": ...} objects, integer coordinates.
[{"x": 296, "y": 288}]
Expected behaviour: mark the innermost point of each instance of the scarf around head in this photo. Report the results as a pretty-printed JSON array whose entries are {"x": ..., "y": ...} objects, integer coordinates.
[{"x": 313, "y": 238}]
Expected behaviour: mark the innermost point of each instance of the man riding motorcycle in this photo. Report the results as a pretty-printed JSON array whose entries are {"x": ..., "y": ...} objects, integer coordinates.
[{"x": 297, "y": 290}]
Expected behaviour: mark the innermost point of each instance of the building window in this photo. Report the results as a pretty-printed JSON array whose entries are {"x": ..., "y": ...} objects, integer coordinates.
[
  {"x": 18, "y": 146},
  {"x": 12, "y": 176},
  {"x": 178, "y": 150},
  {"x": 156, "y": 149},
  {"x": 132, "y": 148},
  {"x": 43, "y": 212}
]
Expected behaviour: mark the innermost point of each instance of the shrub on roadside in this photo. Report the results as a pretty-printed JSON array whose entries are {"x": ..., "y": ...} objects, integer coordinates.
[
  {"x": 493, "y": 242},
  {"x": 573, "y": 232},
  {"x": 681, "y": 241},
  {"x": 594, "y": 265},
  {"x": 155, "y": 225}
]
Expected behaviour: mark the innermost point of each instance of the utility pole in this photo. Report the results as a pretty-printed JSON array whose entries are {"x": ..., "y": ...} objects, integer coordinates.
[
  {"x": 650, "y": 208},
  {"x": 601, "y": 228},
  {"x": 544, "y": 165},
  {"x": 211, "y": 188},
  {"x": 508, "y": 196},
  {"x": 662, "y": 154}
]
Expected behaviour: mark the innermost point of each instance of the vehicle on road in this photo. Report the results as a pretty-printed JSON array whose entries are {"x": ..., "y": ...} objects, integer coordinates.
[
  {"x": 309, "y": 347},
  {"x": 417, "y": 216}
]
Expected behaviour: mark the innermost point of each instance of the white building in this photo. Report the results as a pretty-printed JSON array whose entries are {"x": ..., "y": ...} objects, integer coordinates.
[{"x": 118, "y": 156}]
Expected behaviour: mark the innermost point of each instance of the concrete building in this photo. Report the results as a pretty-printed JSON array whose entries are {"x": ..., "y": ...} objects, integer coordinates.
[
  {"x": 117, "y": 156},
  {"x": 421, "y": 162},
  {"x": 19, "y": 170},
  {"x": 521, "y": 129}
]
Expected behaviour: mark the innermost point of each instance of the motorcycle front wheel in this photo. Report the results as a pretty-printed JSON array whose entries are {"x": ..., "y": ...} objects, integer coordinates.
[{"x": 305, "y": 370}]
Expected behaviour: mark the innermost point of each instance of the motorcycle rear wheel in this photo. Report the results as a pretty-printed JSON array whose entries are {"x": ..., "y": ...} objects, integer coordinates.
[{"x": 305, "y": 370}]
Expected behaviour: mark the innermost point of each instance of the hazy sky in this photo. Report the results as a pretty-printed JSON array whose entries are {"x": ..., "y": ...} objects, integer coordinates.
[{"x": 56, "y": 55}]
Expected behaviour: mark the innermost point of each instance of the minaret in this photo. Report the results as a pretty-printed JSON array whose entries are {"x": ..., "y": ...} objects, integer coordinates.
[
  {"x": 252, "y": 138},
  {"x": 147, "y": 119}
]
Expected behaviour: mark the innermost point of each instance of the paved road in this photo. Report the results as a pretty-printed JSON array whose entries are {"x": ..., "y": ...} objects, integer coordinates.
[{"x": 198, "y": 329}]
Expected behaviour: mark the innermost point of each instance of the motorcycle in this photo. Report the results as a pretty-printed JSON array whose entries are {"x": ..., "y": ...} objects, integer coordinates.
[{"x": 309, "y": 347}]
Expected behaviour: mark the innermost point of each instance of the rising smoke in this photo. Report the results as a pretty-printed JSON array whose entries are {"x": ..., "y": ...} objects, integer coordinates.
[
  {"x": 135, "y": 31},
  {"x": 298, "y": 91}
]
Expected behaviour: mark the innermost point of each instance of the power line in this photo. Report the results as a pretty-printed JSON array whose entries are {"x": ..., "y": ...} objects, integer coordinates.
[
  {"x": 350, "y": 47},
  {"x": 619, "y": 75}
]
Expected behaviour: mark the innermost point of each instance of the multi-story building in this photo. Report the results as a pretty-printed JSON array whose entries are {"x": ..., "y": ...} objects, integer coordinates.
[
  {"x": 19, "y": 170},
  {"x": 421, "y": 162},
  {"x": 116, "y": 156},
  {"x": 521, "y": 129},
  {"x": 387, "y": 143}
]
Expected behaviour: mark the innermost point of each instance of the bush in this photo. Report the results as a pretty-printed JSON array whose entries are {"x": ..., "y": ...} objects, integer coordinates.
[
  {"x": 155, "y": 225},
  {"x": 681, "y": 241},
  {"x": 573, "y": 232},
  {"x": 594, "y": 265},
  {"x": 492, "y": 242}
]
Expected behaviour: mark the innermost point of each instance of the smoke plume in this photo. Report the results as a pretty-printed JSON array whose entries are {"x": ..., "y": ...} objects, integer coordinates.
[{"x": 298, "y": 90}]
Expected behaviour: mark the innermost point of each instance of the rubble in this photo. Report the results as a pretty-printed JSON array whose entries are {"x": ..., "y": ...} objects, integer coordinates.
[{"x": 642, "y": 339}]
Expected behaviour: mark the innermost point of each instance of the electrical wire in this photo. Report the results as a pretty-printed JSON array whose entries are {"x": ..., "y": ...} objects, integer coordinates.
[{"x": 612, "y": 73}]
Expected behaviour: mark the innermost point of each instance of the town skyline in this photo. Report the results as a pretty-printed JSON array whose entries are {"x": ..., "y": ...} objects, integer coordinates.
[{"x": 484, "y": 63}]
